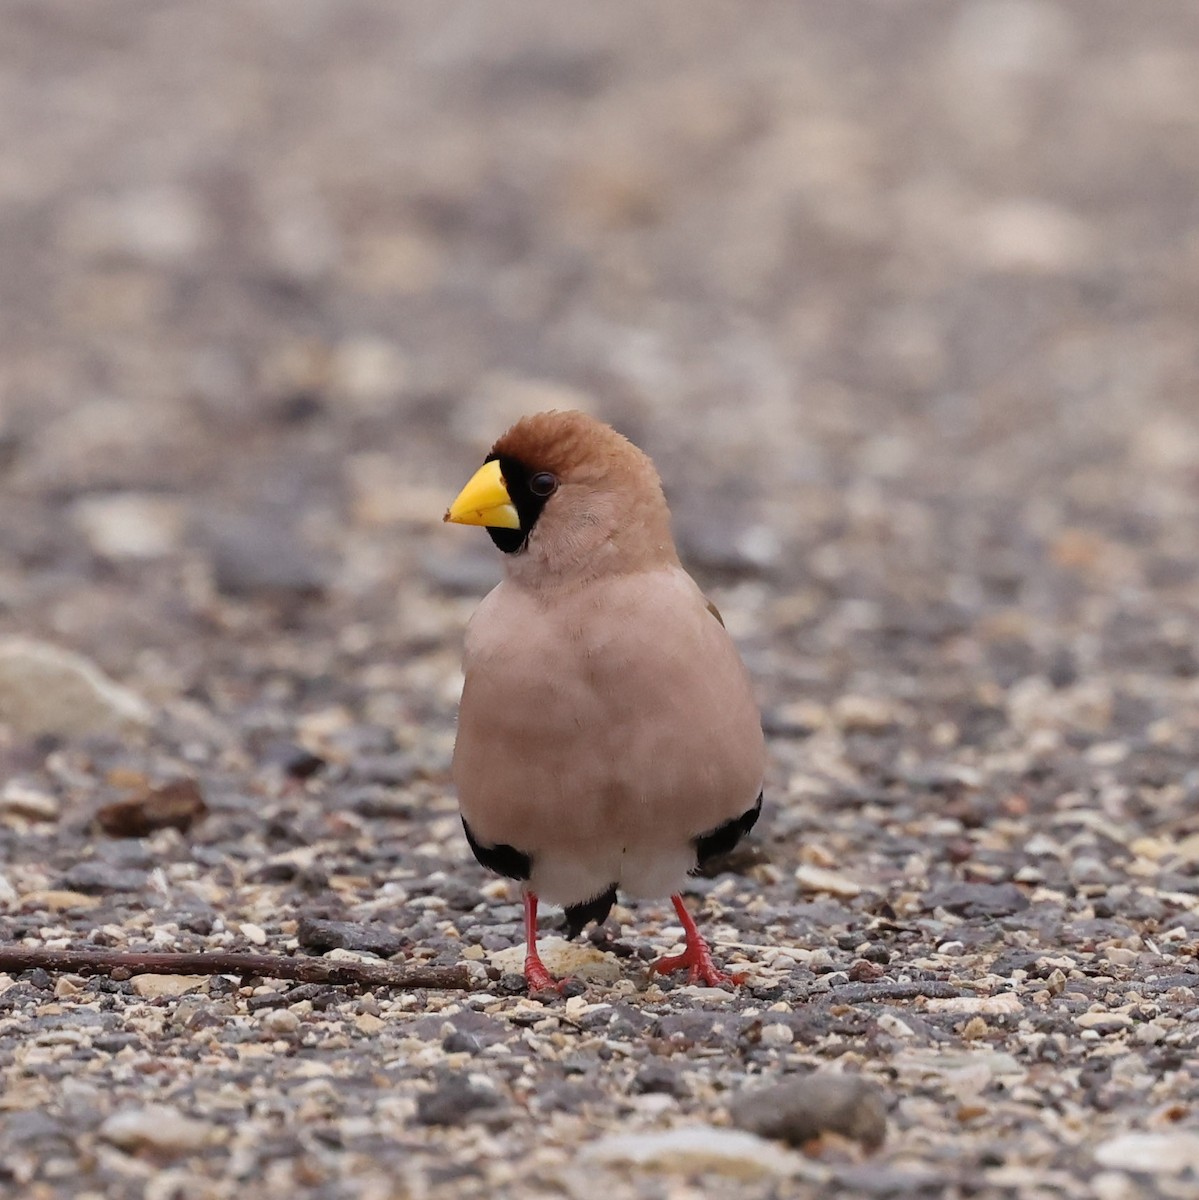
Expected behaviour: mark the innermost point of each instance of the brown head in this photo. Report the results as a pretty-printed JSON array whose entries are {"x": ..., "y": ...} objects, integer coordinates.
[{"x": 566, "y": 498}]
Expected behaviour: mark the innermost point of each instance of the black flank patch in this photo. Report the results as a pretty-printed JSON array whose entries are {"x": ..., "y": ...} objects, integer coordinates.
[
  {"x": 502, "y": 859},
  {"x": 724, "y": 837},
  {"x": 597, "y": 910}
]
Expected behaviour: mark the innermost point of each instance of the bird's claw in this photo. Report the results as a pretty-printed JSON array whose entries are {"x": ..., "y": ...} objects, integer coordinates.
[
  {"x": 540, "y": 980},
  {"x": 700, "y": 968}
]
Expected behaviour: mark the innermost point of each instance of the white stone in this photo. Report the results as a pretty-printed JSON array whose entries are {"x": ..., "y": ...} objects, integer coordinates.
[
  {"x": 865, "y": 714},
  {"x": 370, "y": 373},
  {"x": 156, "y": 1127},
  {"x": 1103, "y": 1021},
  {"x": 126, "y": 525},
  {"x": 893, "y": 1026},
  {"x": 1009, "y": 38},
  {"x": 24, "y": 801},
  {"x": 46, "y": 689},
  {"x": 1152, "y": 1153},
  {"x": 713, "y": 995},
  {"x": 777, "y": 1034},
  {"x": 1005, "y": 1002},
  {"x": 652, "y": 1105},
  {"x": 1114, "y": 1185},
  {"x": 969, "y": 1070},
  {"x": 1122, "y": 956},
  {"x": 281, "y": 1021},
  {"x": 817, "y": 879},
  {"x": 561, "y": 958},
  {"x": 159, "y": 224},
  {"x": 151, "y": 986},
  {"x": 1029, "y": 237},
  {"x": 697, "y": 1148}
]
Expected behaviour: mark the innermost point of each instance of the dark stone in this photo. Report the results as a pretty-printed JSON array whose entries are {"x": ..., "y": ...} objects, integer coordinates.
[
  {"x": 263, "y": 555},
  {"x": 375, "y": 800},
  {"x": 454, "y": 1101},
  {"x": 175, "y": 805},
  {"x": 111, "y": 1043},
  {"x": 268, "y": 1000},
  {"x": 1062, "y": 670},
  {"x": 462, "y": 573},
  {"x": 97, "y": 878},
  {"x": 623, "y": 1021},
  {"x": 510, "y": 983},
  {"x": 294, "y": 760},
  {"x": 278, "y": 871},
  {"x": 1163, "y": 983},
  {"x": 863, "y": 971},
  {"x": 887, "y": 1182},
  {"x": 320, "y": 935},
  {"x": 460, "y": 897},
  {"x": 972, "y": 900},
  {"x": 802, "y": 1108},
  {"x": 701, "y": 1028},
  {"x": 661, "y": 1077},
  {"x": 567, "y": 1095},
  {"x": 299, "y": 407},
  {"x": 30, "y": 1125},
  {"x": 459, "y": 1042},
  {"x": 721, "y": 543},
  {"x": 1014, "y": 960},
  {"x": 579, "y": 1063},
  {"x": 471, "y": 1032},
  {"x": 197, "y": 921},
  {"x": 391, "y": 770},
  {"x": 776, "y": 725},
  {"x": 126, "y": 852}
]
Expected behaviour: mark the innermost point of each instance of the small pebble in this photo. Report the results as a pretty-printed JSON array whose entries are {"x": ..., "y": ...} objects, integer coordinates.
[{"x": 281, "y": 1021}]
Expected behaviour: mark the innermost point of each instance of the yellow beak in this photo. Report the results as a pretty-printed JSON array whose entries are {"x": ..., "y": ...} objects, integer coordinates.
[{"x": 485, "y": 501}]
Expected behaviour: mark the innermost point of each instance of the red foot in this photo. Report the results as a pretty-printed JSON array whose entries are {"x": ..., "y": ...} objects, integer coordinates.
[
  {"x": 536, "y": 976},
  {"x": 539, "y": 979},
  {"x": 700, "y": 968},
  {"x": 697, "y": 958}
]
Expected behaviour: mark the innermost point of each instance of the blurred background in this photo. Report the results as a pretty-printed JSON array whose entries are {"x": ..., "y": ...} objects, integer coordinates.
[{"x": 902, "y": 298}]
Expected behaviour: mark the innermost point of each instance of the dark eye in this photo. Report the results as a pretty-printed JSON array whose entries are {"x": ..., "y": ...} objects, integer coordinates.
[{"x": 543, "y": 484}]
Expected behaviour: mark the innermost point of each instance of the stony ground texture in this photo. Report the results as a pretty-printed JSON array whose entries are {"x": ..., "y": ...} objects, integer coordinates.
[{"x": 903, "y": 299}]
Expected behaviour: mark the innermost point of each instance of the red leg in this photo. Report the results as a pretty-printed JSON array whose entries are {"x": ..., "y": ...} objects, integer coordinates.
[
  {"x": 697, "y": 958},
  {"x": 536, "y": 976}
]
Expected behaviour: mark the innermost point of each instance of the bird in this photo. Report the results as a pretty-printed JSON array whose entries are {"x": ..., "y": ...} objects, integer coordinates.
[{"x": 608, "y": 738}]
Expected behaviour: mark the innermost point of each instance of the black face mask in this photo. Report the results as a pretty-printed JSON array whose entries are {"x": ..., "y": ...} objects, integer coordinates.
[{"x": 528, "y": 490}]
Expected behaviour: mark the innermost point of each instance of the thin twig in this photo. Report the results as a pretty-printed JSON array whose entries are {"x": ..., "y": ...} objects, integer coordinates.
[
  {"x": 121, "y": 964},
  {"x": 868, "y": 993}
]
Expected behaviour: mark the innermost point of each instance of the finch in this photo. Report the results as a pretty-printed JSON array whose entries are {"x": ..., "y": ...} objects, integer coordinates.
[{"x": 608, "y": 737}]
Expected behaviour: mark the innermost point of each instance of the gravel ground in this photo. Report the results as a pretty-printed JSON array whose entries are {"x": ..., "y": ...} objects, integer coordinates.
[{"x": 903, "y": 300}]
